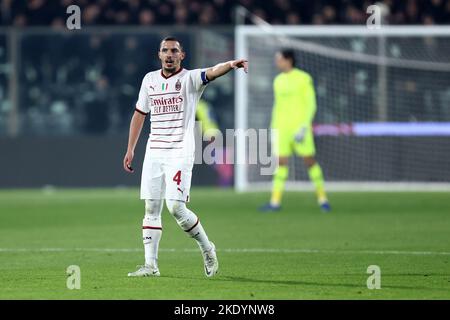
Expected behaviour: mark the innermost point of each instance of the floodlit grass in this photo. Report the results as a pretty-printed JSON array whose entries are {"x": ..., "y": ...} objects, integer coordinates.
[{"x": 298, "y": 253}]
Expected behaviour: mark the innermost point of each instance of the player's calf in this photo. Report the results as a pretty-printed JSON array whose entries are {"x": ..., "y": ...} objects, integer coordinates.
[{"x": 189, "y": 222}]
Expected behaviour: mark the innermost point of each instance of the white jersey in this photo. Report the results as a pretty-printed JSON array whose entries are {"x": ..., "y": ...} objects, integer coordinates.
[{"x": 171, "y": 102}]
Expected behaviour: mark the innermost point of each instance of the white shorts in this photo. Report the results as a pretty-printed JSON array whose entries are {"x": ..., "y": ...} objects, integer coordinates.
[{"x": 166, "y": 178}]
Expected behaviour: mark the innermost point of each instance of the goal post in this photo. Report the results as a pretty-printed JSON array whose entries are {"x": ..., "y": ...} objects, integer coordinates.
[{"x": 383, "y": 104}]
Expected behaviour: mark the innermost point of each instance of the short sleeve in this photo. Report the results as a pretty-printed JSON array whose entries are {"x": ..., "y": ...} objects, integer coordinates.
[
  {"x": 198, "y": 78},
  {"x": 142, "y": 103}
]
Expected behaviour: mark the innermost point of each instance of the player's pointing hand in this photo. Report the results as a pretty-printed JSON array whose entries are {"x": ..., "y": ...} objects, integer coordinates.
[{"x": 241, "y": 63}]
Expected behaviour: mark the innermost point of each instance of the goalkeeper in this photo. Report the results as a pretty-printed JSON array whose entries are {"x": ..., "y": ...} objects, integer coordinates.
[{"x": 292, "y": 115}]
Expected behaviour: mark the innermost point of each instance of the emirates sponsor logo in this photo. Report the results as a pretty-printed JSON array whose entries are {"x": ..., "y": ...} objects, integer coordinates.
[
  {"x": 165, "y": 105},
  {"x": 166, "y": 101}
]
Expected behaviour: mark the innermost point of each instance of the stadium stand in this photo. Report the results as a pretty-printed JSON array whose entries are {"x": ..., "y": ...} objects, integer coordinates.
[{"x": 217, "y": 12}]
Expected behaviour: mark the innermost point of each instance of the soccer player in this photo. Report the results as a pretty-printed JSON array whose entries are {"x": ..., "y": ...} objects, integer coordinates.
[
  {"x": 292, "y": 115},
  {"x": 170, "y": 95}
]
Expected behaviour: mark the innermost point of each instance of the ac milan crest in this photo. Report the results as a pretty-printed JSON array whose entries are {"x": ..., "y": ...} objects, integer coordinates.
[{"x": 178, "y": 85}]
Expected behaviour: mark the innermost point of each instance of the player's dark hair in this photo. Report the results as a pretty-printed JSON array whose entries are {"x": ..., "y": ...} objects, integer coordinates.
[
  {"x": 171, "y": 38},
  {"x": 289, "y": 54}
]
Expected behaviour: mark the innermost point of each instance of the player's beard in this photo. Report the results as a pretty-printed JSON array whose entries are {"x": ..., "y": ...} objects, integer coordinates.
[{"x": 171, "y": 69}]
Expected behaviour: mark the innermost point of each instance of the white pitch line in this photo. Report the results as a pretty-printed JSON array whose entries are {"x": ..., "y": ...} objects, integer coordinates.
[{"x": 234, "y": 250}]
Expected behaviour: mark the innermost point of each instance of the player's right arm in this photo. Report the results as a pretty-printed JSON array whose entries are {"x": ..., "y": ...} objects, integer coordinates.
[{"x": 137, "y": 122}]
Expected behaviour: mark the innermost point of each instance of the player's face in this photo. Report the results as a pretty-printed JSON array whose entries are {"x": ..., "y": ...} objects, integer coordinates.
[
  {"x": 171, "y": 56},
  {"x": 282, "y": 63}
]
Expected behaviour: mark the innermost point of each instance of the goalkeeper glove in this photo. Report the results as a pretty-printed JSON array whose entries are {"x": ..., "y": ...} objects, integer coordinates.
[{"x": 300, "y": 135}]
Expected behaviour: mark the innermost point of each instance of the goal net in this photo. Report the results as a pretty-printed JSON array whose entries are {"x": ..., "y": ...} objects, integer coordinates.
[{"x": 383, "y": 104}]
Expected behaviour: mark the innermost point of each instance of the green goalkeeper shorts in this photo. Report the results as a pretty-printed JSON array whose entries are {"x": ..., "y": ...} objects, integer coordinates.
[{"x": 284, "y": 145}]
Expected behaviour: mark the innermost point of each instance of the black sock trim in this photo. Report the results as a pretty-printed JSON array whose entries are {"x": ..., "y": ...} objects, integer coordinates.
[{"x": 198, "y": 220}]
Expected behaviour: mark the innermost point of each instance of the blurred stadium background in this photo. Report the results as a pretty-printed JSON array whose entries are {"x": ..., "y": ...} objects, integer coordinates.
[{"x": 66, "y": 97}]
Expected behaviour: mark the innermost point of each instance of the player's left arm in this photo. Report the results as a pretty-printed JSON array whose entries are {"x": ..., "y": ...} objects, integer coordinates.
[
  {"x": 223, "y": 68},
  {"x": 309, "y": 103}
]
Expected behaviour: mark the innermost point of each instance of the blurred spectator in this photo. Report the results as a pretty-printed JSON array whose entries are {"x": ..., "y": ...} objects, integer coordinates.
[
  {"x": 181, "y": 15},
  {"x": 329, "y": 15},
  {"x": 146, "y": 17},
  {"x": 164, "y": 13},
  {"x": 412, "y": 12},
  {"x": 293, "y": 18},
  {"x": 208, "y": 15},
  {"x": 91, "y": 14}
]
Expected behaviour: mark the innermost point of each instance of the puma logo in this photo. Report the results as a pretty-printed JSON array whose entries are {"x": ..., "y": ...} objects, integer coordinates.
[{"x": 152, "y": 87}]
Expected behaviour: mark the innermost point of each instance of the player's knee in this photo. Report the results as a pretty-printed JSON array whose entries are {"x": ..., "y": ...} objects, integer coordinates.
[
  {"x": 153, "y": 207},
  {"x": 309, "y": 161},
  {"x": 152, "y": 217},
  {"x": 283, "y": 161},
  {"x": 176, "y": 208},
  {"x": 184, "y": 217}
]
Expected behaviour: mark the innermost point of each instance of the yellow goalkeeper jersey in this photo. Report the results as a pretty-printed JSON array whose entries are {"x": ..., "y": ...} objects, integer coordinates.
[{"x": 294, "y": 100}]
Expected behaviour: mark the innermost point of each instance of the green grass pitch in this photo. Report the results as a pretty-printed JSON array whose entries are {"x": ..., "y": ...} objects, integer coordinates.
[{"x": 298, "y": 253}]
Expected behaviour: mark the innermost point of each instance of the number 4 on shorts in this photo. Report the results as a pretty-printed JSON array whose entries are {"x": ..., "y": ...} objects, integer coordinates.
[{"x": 177, "y": 177}]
